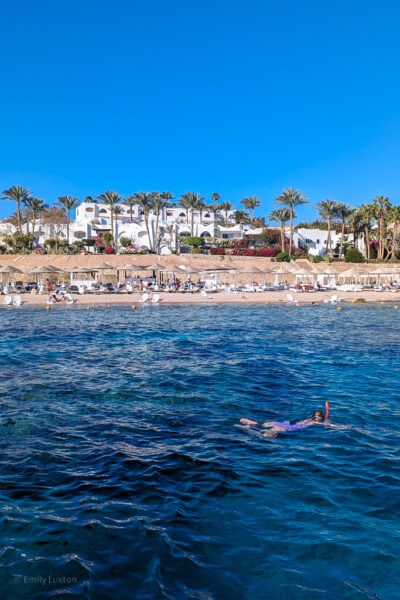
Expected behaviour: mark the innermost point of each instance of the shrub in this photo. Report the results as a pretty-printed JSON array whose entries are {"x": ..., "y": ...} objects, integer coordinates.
[
  {"x": 193, "y": 241},
  {"x": 282, "y": 257},
  {"x": 217, "y": 251},
  {"x": 354, "y": 256},
  {"x": 267, "y": 252}
]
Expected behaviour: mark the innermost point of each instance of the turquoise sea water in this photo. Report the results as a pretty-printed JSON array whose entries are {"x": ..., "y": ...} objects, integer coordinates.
[{"x": 124, "y": 472}]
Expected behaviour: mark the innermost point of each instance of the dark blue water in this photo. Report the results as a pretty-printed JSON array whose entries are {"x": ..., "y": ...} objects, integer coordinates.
[{"x": 124, "y": 473}]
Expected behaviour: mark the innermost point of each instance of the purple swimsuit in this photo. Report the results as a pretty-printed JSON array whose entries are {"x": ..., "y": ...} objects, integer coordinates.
[{"x": 288, "y": 427}]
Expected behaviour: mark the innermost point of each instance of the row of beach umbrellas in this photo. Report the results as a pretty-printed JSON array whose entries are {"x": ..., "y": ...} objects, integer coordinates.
[{"x": 350, "y": 274}]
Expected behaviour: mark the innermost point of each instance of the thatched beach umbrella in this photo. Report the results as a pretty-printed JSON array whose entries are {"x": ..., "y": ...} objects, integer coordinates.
[
  {"x": 278, "y": 273},
  {"x": 351, "y": 274},
  {"x": 329, "y": 276},
  {"x": 216, "y": 268},
  {"x": 9, "y": 269},
  {"x": 103, "y": 266},
  {"x": 155, "y": 268},
  {"x": 382, "y": 271},
  {"x": 251, "y": 271}
]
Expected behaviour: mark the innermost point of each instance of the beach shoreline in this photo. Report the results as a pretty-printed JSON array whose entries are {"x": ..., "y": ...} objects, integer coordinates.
[{"x": 221, "y": 297}]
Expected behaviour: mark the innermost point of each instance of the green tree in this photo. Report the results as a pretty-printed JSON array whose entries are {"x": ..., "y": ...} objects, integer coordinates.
[
  {"x": 381, "y": 206},
  {"x": 215, "y": 209},
  {"x": 35, "y": 207},
  {"x": 281, "y": 216},
  {"x": 160, "y": 201},
  {"x": 343, "y": 212},
  {"x": 328, "y": 210},
  {"x": 130, "y": 202},
  {"x": 353, "y": 256},
  {"x": 226, "y": 207},
  {"x": 242, "y": 217},
  {"x": 365, "y": 215},
  {"x": 107, "y": 238},
  {"x": 394, "y": 238},
  {"x": 18, "y": 194},
  {"x": 190, "y": 202},
  {"x": 111, "y": 199},
  {"x": 67, "y": 203},
  {"x": 251, "y": 204},
  {"x": 144, "y": 201},
  {"x": 291, "y": 198}
]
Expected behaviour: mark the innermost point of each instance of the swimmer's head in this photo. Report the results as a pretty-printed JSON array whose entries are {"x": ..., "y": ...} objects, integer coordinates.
[{"x": 318, "y": 416}]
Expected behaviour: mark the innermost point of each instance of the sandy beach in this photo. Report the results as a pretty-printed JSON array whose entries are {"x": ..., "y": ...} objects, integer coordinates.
[{"x": 219, "y": 298}]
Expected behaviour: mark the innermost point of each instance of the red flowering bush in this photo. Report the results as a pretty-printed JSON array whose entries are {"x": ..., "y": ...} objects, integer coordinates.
[
  {"x": 217, "y": 251},
  {"x": 267, "y": 252}
]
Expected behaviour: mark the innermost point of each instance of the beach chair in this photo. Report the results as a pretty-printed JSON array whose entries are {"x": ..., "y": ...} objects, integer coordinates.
[
  {"x": 7, "y": 300},
  {"x": 17, "y": 300},
  {"x": 155, "y": 298},
  {"x": 143, "y": 297},
  {"x": 204, "y": 294},
  {"x": 290, "y": 298}
]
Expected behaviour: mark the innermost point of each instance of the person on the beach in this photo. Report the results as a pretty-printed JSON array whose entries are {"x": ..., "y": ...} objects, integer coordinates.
[{"x": 275, "y": 427}]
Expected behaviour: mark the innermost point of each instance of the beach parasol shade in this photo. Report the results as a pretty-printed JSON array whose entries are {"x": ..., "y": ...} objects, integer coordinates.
[
  {"x": 217, "y": 267},
  {"x": 349, "y": 273},
  {"x": 80, "y": 269},
  {"x": 128, "y": 267},
  {"x": 8, "y": 269},
  {"x": 187, "y": 269},
  {"x": 252, "y": 271},
  {"x": 54, "y": 269},
  {"x": 42, "y": 269},
  {"x": 155, "y": 267},
  {"x": 103, "y": 266},
  {"x": 328, "y": 271}
]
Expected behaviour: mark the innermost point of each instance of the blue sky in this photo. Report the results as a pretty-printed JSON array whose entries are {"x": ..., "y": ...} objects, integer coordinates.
[{"x": 237, "y": 97}]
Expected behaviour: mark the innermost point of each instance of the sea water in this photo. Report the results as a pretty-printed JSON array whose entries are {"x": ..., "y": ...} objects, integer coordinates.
[{"x": 125, "y": 472}]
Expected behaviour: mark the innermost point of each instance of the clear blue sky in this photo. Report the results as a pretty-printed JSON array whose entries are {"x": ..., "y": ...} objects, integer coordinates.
[{"x": 239, "y": 97}]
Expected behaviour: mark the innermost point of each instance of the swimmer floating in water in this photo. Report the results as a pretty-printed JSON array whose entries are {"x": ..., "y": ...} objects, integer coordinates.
[{"x": 275, "y": 427}]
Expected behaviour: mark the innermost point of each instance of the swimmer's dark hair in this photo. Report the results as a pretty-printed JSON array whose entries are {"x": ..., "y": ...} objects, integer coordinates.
[{"x": 318, "y": 415}]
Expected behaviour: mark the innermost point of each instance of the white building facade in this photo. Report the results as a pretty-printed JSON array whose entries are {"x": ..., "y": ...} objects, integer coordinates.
[{"x": 161, "y": 233}]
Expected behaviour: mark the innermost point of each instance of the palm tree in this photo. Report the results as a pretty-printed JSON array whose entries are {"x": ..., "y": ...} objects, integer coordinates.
[
  {"x": 291, "y": 198},
  {"x": 18, "y": 194},
  {"x": 251, "y": 204},
  {"x": 67, "y": 203},
  {"x": 226, "y": 207},
  {"x": 159, "y": 202},
  {"x": 381, "y": 205},
  {"x": 35, "y": 206},
  {"x": 394, "y": 219},
  {"x": 130, "y": 201},
  {"x": 190, "y": 202},
  {"x": 111, "y": 199},
  {"x": 281, "y": 216},
  {"x": 343, "y": 211},
  {"x": 215, "y": 209},
  {"x": 328, "y": 210},
  {"x": 366, "y": 215},
  {"x": 167, "y": 196},
  {"x": 143, "y": 199},
  {"x": 242, "y": 217}
]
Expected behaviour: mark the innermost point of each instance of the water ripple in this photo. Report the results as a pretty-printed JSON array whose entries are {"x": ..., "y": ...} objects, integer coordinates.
[{"x": 124, "y": 472}]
